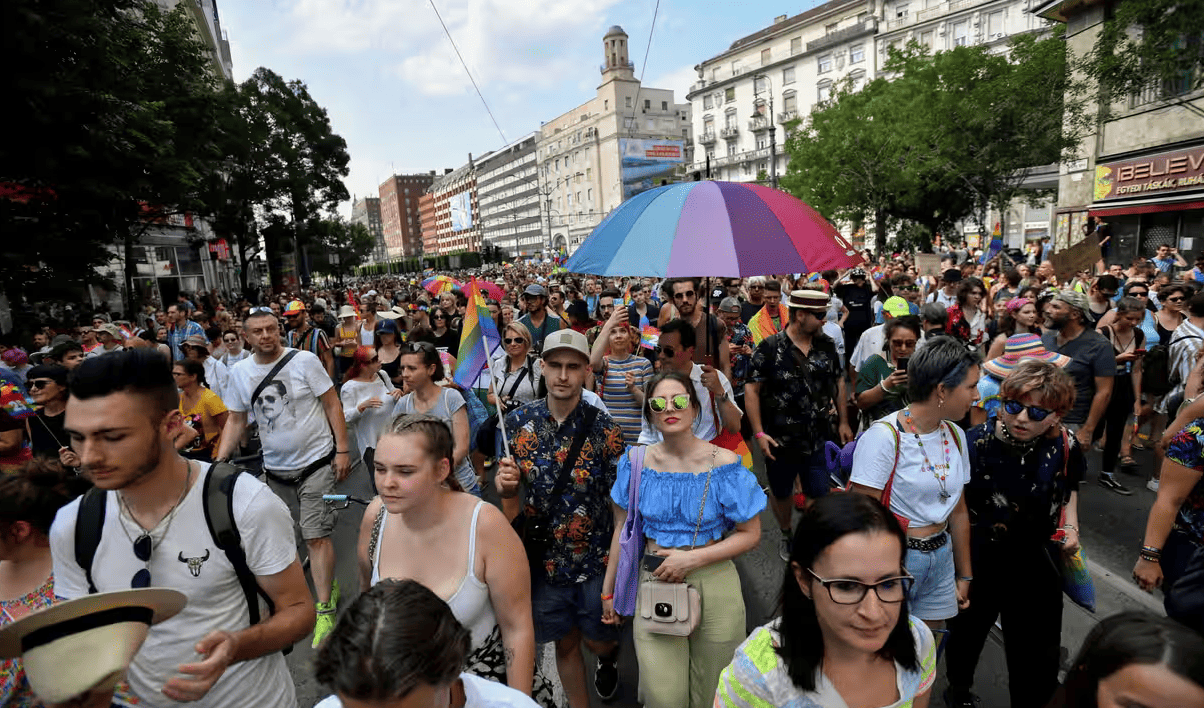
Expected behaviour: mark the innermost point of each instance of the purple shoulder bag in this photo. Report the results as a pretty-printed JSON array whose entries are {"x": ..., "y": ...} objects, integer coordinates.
[{"x": 631, "y": 541}]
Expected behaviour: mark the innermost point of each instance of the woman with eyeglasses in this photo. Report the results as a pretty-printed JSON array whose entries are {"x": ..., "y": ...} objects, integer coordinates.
[
  {"x": 421, "y": 368},
  {"x": 516, "y": 375},
  {"x": 203, "y": 411},
  {"x": 923, "y": 459},
  {"x": 368, "y": 398},
  {"x": 1024, "y": 473},
  {"x": 1019, "y": 316},
  {"x": 882, "y": 380},
  {"x": 701, "y": 508},
  {"x": 445, "y": 338},
  {"x": 1170, "y": 315},
  {"x": 47, "y": 384},
  {"x": 845, "y": 636}
]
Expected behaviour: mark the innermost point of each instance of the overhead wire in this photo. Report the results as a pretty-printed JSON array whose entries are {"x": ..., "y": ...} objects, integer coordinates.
[
  {"x": 470, "y": 77},
  {"x": 635, "y": 106}
]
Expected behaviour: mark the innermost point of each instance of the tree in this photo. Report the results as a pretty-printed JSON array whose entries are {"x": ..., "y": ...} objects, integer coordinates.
[
  {"x": 1147, "y": 43},
  {"x": 341, "y": 245}
]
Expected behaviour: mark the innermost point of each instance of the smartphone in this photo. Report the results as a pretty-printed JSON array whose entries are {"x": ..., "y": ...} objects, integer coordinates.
[
  {"x": 901, "y": 364},
  {"x": 1139, "y": 351},
  {"x": 652, "y": 562}
]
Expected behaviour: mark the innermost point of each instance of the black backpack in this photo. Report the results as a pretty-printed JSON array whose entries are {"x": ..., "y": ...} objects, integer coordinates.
[
  {"x": 1156, "y": 373},
  {"x": 218, "y": 501}
]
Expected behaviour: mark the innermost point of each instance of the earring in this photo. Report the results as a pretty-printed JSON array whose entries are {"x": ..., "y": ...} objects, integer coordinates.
[{"x": 940, "y": 403}]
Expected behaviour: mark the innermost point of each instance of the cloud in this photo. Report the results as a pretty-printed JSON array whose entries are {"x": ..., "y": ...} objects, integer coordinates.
[{"x": 679, "y": 80}]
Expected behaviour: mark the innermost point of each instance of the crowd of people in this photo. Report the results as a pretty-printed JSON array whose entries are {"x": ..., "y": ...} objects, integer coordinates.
[{"x": 630, "y": 432}]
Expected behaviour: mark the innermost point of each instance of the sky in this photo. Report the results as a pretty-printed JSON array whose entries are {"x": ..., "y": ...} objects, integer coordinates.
[{"x": 394, "y": 89}]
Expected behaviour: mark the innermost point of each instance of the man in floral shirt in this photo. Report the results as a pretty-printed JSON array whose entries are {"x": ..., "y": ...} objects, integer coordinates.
[{"x": 566, "y": 586}]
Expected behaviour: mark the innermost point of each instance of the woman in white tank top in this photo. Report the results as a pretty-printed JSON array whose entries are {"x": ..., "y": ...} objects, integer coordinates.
[{"x": 423, "y": 527}]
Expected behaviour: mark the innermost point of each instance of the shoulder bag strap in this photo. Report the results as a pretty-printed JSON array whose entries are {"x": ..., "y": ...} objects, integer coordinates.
[
  {"x": 890, "y": 481},
  {"x": 374, "y": 539},
  {"x": 271, "y": 375},
  {"x": 636, "y": 457},
  {"x": 570, "y": 459},
  {"x": 705, "y": 491}
]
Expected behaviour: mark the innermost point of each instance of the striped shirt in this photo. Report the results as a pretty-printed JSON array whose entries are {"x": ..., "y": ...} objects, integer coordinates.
[{"x": 619, "y": 401}]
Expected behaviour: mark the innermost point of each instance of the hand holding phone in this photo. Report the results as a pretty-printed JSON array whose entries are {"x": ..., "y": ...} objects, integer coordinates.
[
  {"x": 652, "y": 562},
  {"x": 901, "y": 363}
]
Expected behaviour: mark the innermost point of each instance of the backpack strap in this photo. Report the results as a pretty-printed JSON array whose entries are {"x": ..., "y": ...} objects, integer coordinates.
[
  {"x": 89, "y": 524},
  {"x": 218, "y": 499}
]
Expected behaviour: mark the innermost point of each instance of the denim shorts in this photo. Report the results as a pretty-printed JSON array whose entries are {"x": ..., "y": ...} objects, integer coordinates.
[
  {"x": 934, "y": 594},
  {"x": 558, "y": 610},
  {"x": 813, "y": 469}
]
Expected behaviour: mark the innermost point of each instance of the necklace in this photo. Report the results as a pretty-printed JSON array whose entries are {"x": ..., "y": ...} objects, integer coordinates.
[
  {"x": 941, "y": 474},
  {"x": 145, "y": 544}
]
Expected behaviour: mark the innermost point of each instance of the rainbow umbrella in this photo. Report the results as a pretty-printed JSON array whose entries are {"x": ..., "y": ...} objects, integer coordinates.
[
  {"x": 440, "y": 284},
  {"x": 712, "y": 229},
  {"x": 492, "y": 290}
]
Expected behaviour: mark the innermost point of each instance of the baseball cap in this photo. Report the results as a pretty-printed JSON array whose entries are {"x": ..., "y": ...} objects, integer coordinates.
[
  {"x": 536, "y": 291},
  {"x": 110, "y": 329},
  {"x": 1076, "y": 300},
  {"x": 952, "y": 275},
  {"x": 896, "y": 306},
  {"x": 566, "y": 339},
  {"x": 729, "y": 304},
  {"x": 295, "y": 307}
]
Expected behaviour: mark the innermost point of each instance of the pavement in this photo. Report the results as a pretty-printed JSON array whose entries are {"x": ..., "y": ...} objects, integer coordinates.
[{"x": 1111, "y": 532}]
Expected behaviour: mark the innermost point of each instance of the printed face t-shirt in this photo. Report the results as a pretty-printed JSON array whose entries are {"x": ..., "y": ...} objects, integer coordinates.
[{"x": 292, "y": 423}]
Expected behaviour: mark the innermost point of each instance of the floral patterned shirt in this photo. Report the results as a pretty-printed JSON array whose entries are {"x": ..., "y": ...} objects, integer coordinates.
[
  {"x": 581, "y": 521},
  {"x": 1187, "y": 448},
  {"x": 738, "y": 336},
  {"x": 798, "y": 391}
]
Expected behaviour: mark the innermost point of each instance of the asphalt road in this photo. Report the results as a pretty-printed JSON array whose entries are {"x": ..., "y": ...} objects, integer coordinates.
[{"x": 1112, "y": 528}]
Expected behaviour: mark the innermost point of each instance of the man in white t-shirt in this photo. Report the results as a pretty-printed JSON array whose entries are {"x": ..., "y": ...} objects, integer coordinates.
[
  {"x": 120, "y": 418},
  {"x": 304, "y": 438}
]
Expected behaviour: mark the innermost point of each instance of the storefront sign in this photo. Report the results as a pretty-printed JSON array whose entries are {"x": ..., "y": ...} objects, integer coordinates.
[{"x": 1164, "y": 173}]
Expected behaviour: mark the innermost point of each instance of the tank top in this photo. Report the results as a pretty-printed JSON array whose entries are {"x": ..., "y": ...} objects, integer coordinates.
[
  {"x": 1138, "y": 341},
  {"x": 344, "y": 333},
  {"x": 470, "y": 602}
]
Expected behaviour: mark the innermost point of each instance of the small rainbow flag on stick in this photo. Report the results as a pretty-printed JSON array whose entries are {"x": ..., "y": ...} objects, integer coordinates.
[
  {"x": 649, "y": 336},
  {"x": 478, "y": 339}
]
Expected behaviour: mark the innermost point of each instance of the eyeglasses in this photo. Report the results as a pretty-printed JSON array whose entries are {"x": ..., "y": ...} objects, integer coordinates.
[
  {"x": 903, "y": 342},
  {"x": 1176, "y": 299},
  {"x": 1035, "y": 414},
  {"x": 420, "y": 347},
  {"x": 844, "y": 591},
  {"x": 514, "y": 340},
  {"x": 142, "y": 551},
  {"x": 687, "y": 295},
  {"x": 756, "y": 287},
  {"x": 1143, "y": 293},
  {"x": 261, "y": 311},
  {"x": 908, "y": 288},
  {"x": 660, "y": 404},
  {"x": 667, "y": 352}
]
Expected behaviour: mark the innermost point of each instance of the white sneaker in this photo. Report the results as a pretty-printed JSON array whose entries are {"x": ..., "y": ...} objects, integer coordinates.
[{"x": 1152, "y": 485}]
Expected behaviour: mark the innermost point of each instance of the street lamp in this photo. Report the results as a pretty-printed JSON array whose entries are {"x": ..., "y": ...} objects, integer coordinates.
[
  {"x": 547, "y": 195},
  {"x": 773, "y": 143}
]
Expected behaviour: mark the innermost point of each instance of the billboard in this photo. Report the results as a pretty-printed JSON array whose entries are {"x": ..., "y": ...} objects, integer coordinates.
[
  {"x": 461, "y": 211},
  {"x": 1162, "y": 173},
  {"x": 644, "y": 163}
]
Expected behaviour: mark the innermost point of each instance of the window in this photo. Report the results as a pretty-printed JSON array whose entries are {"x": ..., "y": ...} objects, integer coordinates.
[
  {"x": 766, "y": 56},
  {"x": 569, "y": 197},
  {"x": 647, "y": 104},
  {"x": 760, "y": 86},
  {"x": 628, "y": 101},
  {"x": 790, "y": 102},
  {"x": 664, "y": 105},
  {"x": 825, "y": 91},
  {"x": 685, "y": 133},
  {"x": 995, "y": 25},
  {"x": 926, "y": 38},
  {"x": 731, "y": 148},
  {"x": 856, "y": 53},
  {"x": 589, "y": 195},
  {"x": 729, "y": 94},
  {"x": 796, "y": 45},
  {"x": 961, "y": 33},
  {"x": 829, "y": 29},
  {"x": 825, "y": 63},
  {"x": 707, "y": 102},
  {"x": 858, "y": 79},
  {"x": 788, "y": 75},
  {"x": 762, "y": 143},
  {"x": 606, "y": 104},
  {"x": 708, "y": 125},
  {"x": 900, "y": 10},
  {"x": 729, "y": 119}
]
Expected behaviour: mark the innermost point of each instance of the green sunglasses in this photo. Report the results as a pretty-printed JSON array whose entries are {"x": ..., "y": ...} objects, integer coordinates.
[{"x": 660, "y": 404}]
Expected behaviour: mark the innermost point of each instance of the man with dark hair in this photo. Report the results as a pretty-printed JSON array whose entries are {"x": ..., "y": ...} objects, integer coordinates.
[
  {"x": 710, "y": 335},
  {"x": 1092, "y": 366},
  {"x": 179, "y": 328},
  {"x": 793, "y": 387},
  {"x": 303, "y": 335},
  {"x": 1011, "y": 286},
  {"x": 303, "y": 459},
  {"x": 121, "y": 418},
  {"x": 538, "y": 320},
  {"x": 606, "y": 308},
  {"x": 69, "y": 354},
  {"x": 640, "y": 305}
]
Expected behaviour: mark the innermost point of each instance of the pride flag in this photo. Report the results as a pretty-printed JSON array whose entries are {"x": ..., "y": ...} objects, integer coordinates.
[
  {"x": 761, "y": 324},
  {"x": 478, "y": 339},
  {"x": 354, "y": 301},
  {"x": 649, "y": 336},
  {"x": 996, "y": 244},
  {"x": 627, "y": 296}
]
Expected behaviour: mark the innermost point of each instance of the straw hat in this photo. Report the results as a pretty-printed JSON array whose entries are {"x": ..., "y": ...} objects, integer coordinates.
[
  {"x": 346, "y": 311},
  {"x": 808, "y": 300},
  {"x": 1018, "y": 348},
  {"x": 72, "y": 647}
]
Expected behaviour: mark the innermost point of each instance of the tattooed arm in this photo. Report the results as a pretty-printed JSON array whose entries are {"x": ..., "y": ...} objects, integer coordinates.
[{"x": 509, "y": 583}]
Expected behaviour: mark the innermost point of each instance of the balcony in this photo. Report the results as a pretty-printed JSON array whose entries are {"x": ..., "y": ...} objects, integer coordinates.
[
  {"x": 759, "y": 124},
  {"x": 787, "y": 116},
  {"x": 866, "y": 26},
  {"x": 729, "y": 133},
  {"x": 707, "y": 138}
]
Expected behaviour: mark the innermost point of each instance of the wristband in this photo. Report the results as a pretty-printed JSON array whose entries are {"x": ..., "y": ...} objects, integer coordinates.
[
  {"x": 882, "y": 385},
  {"x": 967, "y": 578},
  {"x": 342, "y": 452},
  {"x": 1072, "y": 527},
  {"x": 758, "y": 436},
  {"x": 608, "y": 597}
]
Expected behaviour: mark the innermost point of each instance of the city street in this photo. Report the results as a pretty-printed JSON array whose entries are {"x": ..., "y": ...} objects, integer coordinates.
[{"x": 1112, "y": 526}]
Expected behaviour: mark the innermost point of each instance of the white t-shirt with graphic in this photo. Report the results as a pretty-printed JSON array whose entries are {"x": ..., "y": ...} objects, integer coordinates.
[
  {"x": 186, "y": 559},
  {"x": 292, "y": 422}
]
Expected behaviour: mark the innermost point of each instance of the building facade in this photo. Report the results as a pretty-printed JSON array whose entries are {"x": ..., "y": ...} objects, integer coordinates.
[
  {"x": 1142, "y": 172},
  {"x": 624, "y": 140},
  {"x": 400, "y": 223},
  {"x": 366, "y": 211},
  {"x": 508, "y": 194},
  {"x": 454, "y": 222}
]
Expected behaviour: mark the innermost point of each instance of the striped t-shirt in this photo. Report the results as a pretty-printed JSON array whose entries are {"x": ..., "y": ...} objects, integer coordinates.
[{"x": 619, "y": 401}]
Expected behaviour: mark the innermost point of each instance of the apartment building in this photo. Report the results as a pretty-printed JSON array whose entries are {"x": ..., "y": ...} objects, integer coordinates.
[{"x": 508, "y": 196}]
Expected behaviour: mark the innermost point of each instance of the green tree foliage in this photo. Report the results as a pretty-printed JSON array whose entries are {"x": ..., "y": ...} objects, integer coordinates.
[
  {"x": 1149, "y": 42},
  {"x": 342, "y": 246}
]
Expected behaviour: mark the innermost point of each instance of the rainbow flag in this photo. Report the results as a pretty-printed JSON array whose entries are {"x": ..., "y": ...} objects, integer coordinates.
[
  {"x": 627, "y": 296},
  {"x": 996, "y": 244},
  {"x": 14, "y": 398},
  {"x": 478, "y": 339},
  {"x": 354, "y": 302},
  {"x": 649, "y": 336},
  {"x": 761, "y": 325}
]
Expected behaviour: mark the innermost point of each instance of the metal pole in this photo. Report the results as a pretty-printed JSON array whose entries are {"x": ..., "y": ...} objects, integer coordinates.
[{"x": 773, "y": 142}]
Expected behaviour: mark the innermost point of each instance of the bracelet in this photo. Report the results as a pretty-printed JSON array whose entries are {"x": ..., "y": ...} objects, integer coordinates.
[
  {"x": 1151, "y": 549},
  {"x": 1072, "y": 527},
  {"x": 608, "y": 597},
  {"x": 966, "y": 578},
  {"x": 342, "y": 452},
  {"x": 758, "y": 436},
  {"x": 882, "y": 385},
  {"x": 1151, "y": 558}
]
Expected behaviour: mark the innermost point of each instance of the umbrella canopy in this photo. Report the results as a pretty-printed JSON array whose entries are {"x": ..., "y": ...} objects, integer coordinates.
[
  {"x": 441, "y": 284},
  {"x": 712, "y": 229},
  {"x": 491, "y": 290}
]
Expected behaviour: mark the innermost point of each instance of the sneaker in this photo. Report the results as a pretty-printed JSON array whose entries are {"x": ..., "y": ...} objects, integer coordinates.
[
  {"x": 324, "y": 623},
  {"x": 966, "y": 700},
  {"x": 1152, "y": 485},
  {"x": 1109, "y": 482},
  {"x": 606, "y": 678},
  {"x": 784, "y": 548}
]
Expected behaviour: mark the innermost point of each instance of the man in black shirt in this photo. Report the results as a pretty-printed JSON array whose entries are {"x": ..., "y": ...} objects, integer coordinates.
[{"x": 858, "y": 299}]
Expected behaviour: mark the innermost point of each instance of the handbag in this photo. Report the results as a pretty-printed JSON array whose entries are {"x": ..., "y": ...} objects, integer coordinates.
[
  {"x": 1076, "y": 579},
  {"x": 534, "y": 530},
  {"x": 631, "y": 540},
  {"x": 904, "y": 522},
  {"x": 674, "y": 609}
]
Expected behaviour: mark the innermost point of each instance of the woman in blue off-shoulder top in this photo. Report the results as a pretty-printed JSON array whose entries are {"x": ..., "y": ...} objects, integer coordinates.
[{"x": 700, "y": 508}]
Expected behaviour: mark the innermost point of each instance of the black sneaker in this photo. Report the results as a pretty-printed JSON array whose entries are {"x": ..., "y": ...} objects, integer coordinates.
[
  {"x": 606, "y": 679},
  {"x": 1107, "y": 481},
  {"x": 965, "y": 700}
]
